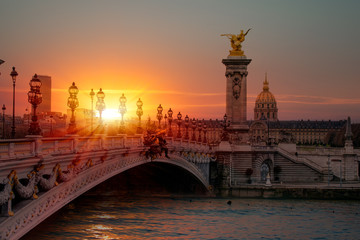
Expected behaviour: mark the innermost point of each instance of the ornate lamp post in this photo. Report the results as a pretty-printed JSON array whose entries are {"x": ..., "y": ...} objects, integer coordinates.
[
  {"x": 28, "y": 116},
  {"x": 72, "y": 103},
  {"x": 3, "y": 121},
  {"x": 139, "y": 113},
  {"x": 122, "y": 107},
  {"x": 187, "y": 127},
  {"x": 92, "y": 94},
  {"x": 170, "y": 118},
  {"x": 34, "y": 98},
  {"x": 204, "y": 130},
  {"x": 225, "y": 124},
  {"x": 122, "y": 111},
  {"x": 199, "y": 129},
  {"x": 179, "y": 116},
  {"x": 165, "y": 120},
  {"x": 100, "y": 104},
  {"x": 210, "y": 126},
  {"x": 159, "y": 115},
  {"x": 193, "y": 126},
  {"x": 13, "y": 75}
]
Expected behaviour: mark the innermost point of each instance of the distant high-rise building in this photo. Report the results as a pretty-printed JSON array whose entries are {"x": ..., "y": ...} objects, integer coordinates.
[{"x": 45, "y": 89}]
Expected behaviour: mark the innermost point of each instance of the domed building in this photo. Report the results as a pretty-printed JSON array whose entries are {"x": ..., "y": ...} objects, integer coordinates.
[
  {"x": 265, "y": 105},
  {"x": 266, "y": 128}
]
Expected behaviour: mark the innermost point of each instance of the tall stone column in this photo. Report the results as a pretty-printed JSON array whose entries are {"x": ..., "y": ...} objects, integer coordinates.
[{"x": 236, "y": 95}]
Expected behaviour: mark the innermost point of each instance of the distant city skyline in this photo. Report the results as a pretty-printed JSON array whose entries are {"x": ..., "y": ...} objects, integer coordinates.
[{"x": 170, "y": 52}]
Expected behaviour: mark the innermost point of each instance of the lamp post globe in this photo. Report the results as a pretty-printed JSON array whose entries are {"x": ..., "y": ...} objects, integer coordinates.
[
  {"x": 170, "y": 118},
  {"x": 165, "y": 120},
  {"x": 139, "y": 113},
  {"x": 187, "y": 120},
  {"x": 13, "y": 75},
  {"x": 179, "y": 116},
  {"x": 73, "y": 103},
  {"x": 199, "y": 129},
  {"x": 193, "y": 125},
  {"x": 122, "y": 111},
  {"x": 122, "y": 107},
  {"x": 34, "y": 98},
  {"x": 100, "y": 105},
  {"x": 204, "y": 131},
  {"x": 159, "y": 115},
  {"x": 92, "y": 94},
  {"x": 225, "y": 124}
]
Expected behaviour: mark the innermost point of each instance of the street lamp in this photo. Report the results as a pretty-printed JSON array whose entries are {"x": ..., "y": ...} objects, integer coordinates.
[
  {"x": 122, "y": 111},
  {"x": 204, "y": 130},
  {"x": 100, "y": 104},
  {"x": 139, "y": 112},
  {"x": 199, "y": 129},
  {"x": 165, "y": 120},
  {"x": 34, "y": 98},
  {"x": 92, "y": 94},
  {"x": 210, "y": 126},
  {"x": 170, "y": 118},
  {"x": 3, "y": 119},
  {"x": 28, "y": 116},
  {"x": 187, "y": 127},
  {"x": 225, "y": 124},
  {"x": 193, "y": 125},
  {"x": 159, "y": 114},
  {"x": 179, "y": 116},
  {"x": 13, "y": 75},
  {"x": 72, "y": 103}
]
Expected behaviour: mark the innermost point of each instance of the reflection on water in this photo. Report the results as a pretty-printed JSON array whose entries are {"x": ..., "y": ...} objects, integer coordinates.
[{"x": 115, "y": 216}]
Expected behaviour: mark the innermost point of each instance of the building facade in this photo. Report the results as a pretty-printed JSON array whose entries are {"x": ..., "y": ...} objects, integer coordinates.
[{"x": 268, "y": 129}]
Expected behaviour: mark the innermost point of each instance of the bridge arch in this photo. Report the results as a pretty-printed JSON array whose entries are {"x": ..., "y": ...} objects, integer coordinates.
[{"x": 35, "y": 211}]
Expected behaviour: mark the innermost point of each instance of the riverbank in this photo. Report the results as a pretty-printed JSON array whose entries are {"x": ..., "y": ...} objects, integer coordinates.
[{"x": 347, "y": 191}]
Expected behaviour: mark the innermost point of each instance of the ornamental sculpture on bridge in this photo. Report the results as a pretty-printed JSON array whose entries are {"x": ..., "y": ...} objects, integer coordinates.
[{"x": 236, "y": 41}]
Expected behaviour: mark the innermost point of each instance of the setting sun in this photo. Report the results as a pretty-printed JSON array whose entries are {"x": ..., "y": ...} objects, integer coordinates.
[{"x": 110, "y": 114}]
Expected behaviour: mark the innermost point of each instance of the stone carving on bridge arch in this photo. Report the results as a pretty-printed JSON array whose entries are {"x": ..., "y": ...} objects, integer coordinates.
[
  {"x": 6, "y": 193},
  {"x": 27, "y": 187}
]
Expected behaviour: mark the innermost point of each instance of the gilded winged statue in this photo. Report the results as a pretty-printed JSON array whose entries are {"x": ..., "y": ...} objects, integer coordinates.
[{"x": 236, "y": 40}]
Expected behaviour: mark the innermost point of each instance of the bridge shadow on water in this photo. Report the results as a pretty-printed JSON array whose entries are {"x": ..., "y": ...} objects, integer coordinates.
[{"x": 152, "y": 179}]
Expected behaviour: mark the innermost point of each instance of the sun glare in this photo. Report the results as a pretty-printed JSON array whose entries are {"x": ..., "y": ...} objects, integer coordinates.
[{"x": 110, "y": 114}]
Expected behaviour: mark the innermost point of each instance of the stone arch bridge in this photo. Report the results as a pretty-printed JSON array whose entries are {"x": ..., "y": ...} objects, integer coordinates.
[
  {"x": 41, "y": 175},
  {"x": 38, "y": 175}
]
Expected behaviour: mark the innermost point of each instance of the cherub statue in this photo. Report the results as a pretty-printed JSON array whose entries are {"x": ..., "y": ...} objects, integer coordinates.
[{"x": 236, "y": 41}]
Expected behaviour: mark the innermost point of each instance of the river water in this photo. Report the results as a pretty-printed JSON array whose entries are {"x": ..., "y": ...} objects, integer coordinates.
[{"x": 117, "y": 216}]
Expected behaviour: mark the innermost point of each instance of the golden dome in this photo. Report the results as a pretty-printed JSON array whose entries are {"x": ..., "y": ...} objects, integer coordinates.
[{"x": 265, "y": 96}]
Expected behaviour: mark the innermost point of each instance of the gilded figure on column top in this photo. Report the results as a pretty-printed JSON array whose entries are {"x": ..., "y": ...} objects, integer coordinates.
[{"x": 236, "y": 40}]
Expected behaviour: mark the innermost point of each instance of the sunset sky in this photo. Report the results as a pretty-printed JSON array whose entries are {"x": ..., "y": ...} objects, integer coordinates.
[{"x": 170, "y": 52}]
